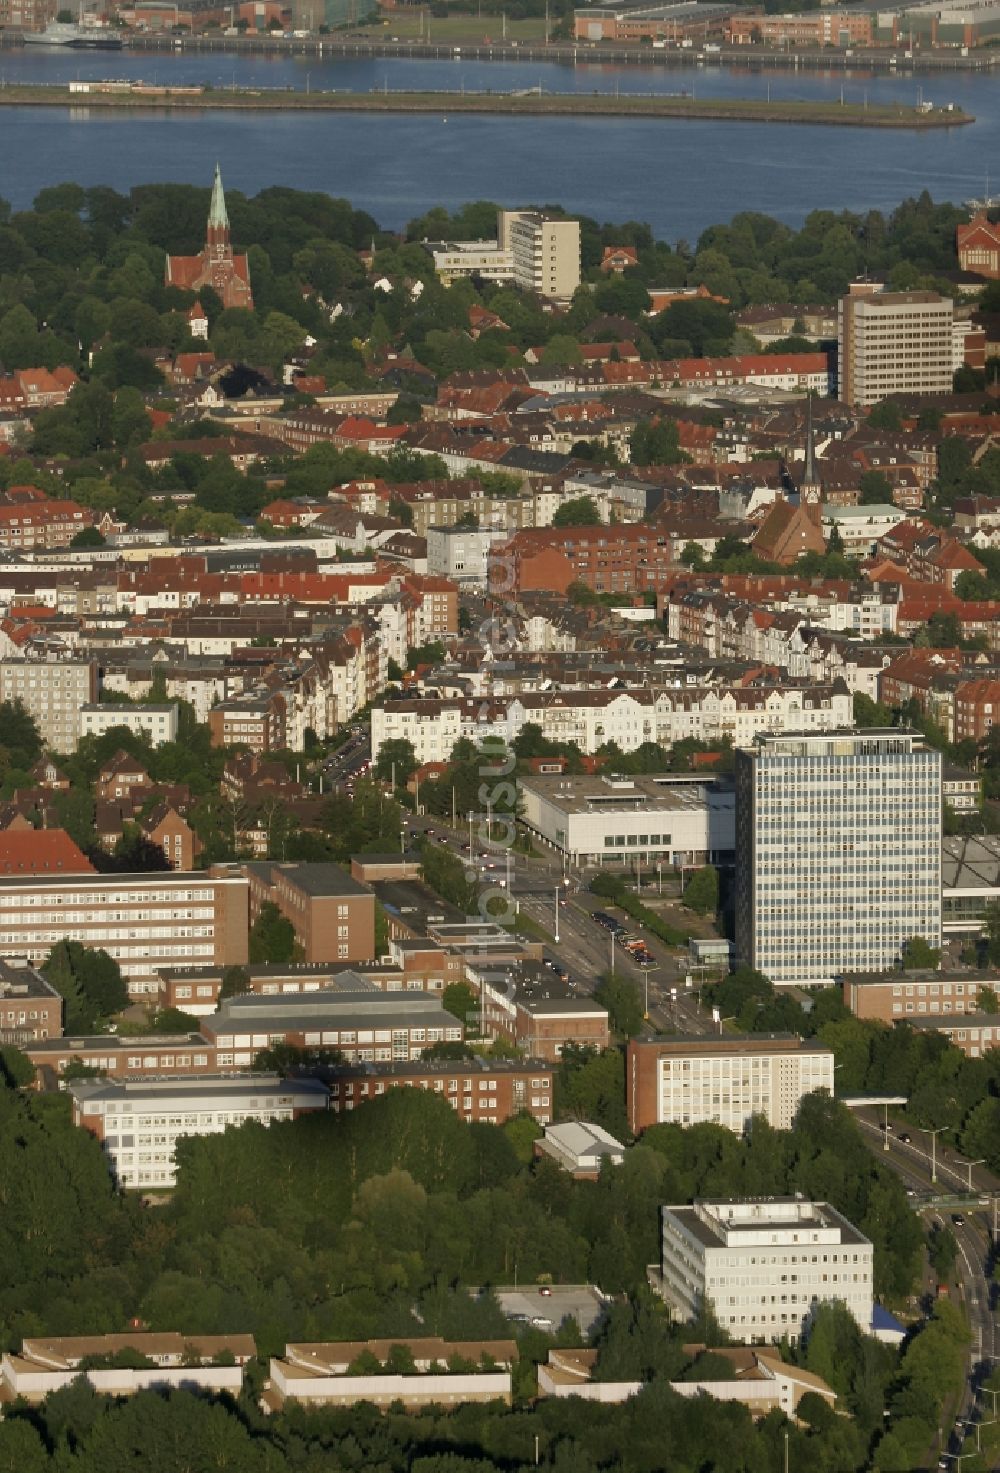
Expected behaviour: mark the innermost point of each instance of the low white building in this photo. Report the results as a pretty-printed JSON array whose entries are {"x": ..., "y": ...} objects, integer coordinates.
[
  {"x": 601, "y": 819},
  {"x": 580, "y": 1148},
  {"x": 157, "y": 722},
  {"x": 322, "y": 1375},
  {"x": 51, "y": 1363},
  {"x": 762, "y": 1266},
  {"x": 861, "y": 527},
  {"x": 140, "y": 1122}
]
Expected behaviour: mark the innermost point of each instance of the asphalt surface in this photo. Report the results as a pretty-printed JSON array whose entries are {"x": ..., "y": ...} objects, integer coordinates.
[{"x": 583, "y": 947}]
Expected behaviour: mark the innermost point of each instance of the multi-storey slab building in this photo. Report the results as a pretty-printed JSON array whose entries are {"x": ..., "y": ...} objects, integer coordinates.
[
  {"x": 763, "y": 1265},
  {"x": 53, "y": 692},
  {"x": 145, "y": 921},
  {"x": 724, "y": 1081},
  {"x": 909, "y": 996},
  {"x": 139, "y": 1122},
  {"x": 838, "y": 852},
  {"x": 893, "y": 343}
]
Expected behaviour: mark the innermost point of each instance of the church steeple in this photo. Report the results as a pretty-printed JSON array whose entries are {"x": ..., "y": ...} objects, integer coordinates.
[
  {"x": 217, "y": 239},
  {"x": 810, "y": 488}
]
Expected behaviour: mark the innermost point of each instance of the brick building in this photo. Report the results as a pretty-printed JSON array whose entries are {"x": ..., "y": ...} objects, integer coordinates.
[
  {"x": 974, "y": 1033},
  {"x": 257, "y": 722},
  {"x": 490, "y": 1091},
  {"x": 976, "y": 706},
  {"x": 30, "y": 1007},
  {"x": 333, "y": 916},
  {"x": 891, "y": 997},
  {"x": 217, "y": 265},
  {"x": 532, "y": 1008},
  {"x": 978, "y": 245}
]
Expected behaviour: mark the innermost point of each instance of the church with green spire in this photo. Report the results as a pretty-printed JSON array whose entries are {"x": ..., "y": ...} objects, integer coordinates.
[{"x": 217, "y": 266}]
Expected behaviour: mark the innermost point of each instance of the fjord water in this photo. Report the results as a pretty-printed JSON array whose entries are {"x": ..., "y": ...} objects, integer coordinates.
[{"x": 679, "y": 176}]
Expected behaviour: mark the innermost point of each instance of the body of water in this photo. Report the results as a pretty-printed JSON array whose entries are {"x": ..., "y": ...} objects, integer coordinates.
[{"x": 679, "y": 176}]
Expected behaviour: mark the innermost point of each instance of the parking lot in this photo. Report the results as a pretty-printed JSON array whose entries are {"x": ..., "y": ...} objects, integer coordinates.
[{"x": 581, "y": 1301}]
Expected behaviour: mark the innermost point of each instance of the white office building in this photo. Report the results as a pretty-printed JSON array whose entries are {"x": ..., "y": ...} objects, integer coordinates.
[
  {"x": 838, "y": 852},
  {"x": 764, "y": 1265},
  {"x": 139, "y": 1122},
  {"x": 602, "y": 819}
]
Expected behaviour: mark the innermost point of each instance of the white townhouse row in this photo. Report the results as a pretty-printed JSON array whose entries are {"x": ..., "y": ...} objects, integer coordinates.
[{"x": 629, "y": 718}]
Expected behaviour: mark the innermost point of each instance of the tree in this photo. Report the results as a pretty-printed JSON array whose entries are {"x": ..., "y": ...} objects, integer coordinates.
[
  {"x": 701, "y": 893},
  {"x": 89, "y": 980},
  {"x": 919, "y": 956},
  {"x": 656, "y": 442},
  {"x": 235, "y": 982},
  {"x": 621, "y": 997},
  {"x": 397, "y": 761},
  {"x": 875, "y": 489},
  {"x": 19, "y": 737},
  {"x": 87, "y": 537},
  {"x": 579, "y": 511},
  {"x": 272, "y": 937}
]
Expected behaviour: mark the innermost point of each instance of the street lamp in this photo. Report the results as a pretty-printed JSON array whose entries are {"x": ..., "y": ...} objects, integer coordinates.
[
  {"x": 934, "y": 1135},
  {"x": 556, "y": 938},
  {"x": 968, "y": 1165},
  {"x": 959, "y": 1458}
]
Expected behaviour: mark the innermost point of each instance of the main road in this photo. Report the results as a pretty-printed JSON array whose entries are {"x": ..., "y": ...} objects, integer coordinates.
[{"x": 971, "y": 1227}]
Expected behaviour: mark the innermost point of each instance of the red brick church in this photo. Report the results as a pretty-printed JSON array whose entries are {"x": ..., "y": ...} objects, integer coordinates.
[{"x": 216, "y": 266}]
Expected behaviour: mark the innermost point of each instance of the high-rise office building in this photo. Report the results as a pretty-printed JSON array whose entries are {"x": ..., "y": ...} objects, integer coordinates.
[
  {"x": 893, "y": 343},
  {"x": 838, "y": 852}
]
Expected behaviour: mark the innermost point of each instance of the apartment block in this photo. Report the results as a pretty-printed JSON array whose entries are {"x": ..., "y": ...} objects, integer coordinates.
[
  {"x": 489, "y": 1091},
  {"x": 30, "y": 1007},
  {"x": 838, "y": 852},
  {"x": 257, "y": 722},
  {"x": 145, "y": 921},
  {"x": 764, "y": 1265},
  {"x": 908, "y": 996},
  {"x": 893, "y": 343},
  {"x": 173, "y": 1056},
  {"x": 333, "y": 916},
  {"x": 545, "y": 251},
  {"x": 722, "y": 1081},
  {"x": 156, "y": 722},
  {"x": 365, "y": 1026},
  {"x": 139, "y": 1122},
  {"x": 53, "y": 692}
]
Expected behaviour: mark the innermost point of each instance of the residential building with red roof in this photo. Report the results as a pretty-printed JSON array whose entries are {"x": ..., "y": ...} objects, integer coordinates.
[
  {"x": 41, "y": 852},
  {"x": 978, "y": 245}
]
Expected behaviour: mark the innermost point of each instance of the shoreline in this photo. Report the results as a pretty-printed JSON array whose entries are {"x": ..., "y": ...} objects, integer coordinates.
[
  {"x": 551, "y": 104},
  {"x": 895, "y": 61}
]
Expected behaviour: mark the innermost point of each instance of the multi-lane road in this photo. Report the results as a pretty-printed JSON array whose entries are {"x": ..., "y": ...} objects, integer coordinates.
[
  {"x": 562, "y": 907},
  {"x": 972, "y": 1227}
]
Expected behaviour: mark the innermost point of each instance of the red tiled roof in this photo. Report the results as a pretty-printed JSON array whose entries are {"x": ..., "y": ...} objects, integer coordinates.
[{"x": 41, "y": 852}]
